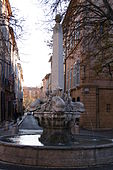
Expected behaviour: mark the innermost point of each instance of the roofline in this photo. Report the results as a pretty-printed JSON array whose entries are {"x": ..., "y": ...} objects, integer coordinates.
[
  {"x": 67, "y": 11},
  {"x": 9, "y": 7}
]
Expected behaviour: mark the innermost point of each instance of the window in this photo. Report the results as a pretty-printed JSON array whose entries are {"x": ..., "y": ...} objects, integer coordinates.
[
  {"x": 76, "y": 74},
  {"x": 78, "y": 99},
  {"x": 73, "y": 99},
  {"x": 108, "y": 107},
  {"x": 77, "y": 33},
  {"x": 70, "y": 78},
  {"x": 101, "y": 28},
  {"x": 73, "y": 36},
  {"x": 7, "y": 71},
  {"x": 67, "y": 79},
  {"x": 71, "y": 41}
]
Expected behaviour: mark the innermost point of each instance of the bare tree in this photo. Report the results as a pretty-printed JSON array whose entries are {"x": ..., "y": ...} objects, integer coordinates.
[
  {"x": 106, "y": 12},
  {"x": 93, "y": 20},
  {"x": 10, "y": 30}
]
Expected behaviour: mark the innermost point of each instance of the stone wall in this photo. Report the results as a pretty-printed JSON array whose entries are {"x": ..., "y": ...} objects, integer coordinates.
[{"x": 57, "y": 157}]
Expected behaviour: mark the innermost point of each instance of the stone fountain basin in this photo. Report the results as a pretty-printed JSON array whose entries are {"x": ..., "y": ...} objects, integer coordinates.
[{"x": 57, "y": 156}]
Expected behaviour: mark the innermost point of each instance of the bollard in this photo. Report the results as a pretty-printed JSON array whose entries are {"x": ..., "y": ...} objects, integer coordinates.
[
  {"x": 15, "y": 129},
  {"x": 6, "y": 127},
  {"x": 75, "y": 129}
]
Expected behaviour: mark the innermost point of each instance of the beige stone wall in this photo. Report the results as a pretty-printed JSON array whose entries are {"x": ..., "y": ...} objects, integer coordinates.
[
  {"x": 30, "y": 94},
  {"x": 106, "y": 108},
  {"x": 98, "y": 104},
  {"x": 95, "y": 91},
  {"x": 88, "y": 119}
]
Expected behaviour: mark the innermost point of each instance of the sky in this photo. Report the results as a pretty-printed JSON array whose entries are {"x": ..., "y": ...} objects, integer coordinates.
[{"x": 33, "y": 51}]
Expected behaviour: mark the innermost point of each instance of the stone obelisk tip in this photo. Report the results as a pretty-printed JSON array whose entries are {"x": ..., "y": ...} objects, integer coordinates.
[{"x": 58, "y": 18}]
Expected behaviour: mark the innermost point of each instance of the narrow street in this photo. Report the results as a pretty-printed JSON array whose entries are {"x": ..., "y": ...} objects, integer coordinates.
[{"x": 29, "y": 123}]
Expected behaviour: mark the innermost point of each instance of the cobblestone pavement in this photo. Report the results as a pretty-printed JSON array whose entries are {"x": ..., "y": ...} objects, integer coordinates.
[{"x": 24, "y": 124}]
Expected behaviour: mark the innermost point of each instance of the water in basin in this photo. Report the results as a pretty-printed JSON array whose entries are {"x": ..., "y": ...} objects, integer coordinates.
[{"x": 34, "y": 140}]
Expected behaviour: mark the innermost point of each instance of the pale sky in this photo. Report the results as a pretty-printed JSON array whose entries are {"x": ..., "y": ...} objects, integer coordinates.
[{"x": 34, "y": 53}]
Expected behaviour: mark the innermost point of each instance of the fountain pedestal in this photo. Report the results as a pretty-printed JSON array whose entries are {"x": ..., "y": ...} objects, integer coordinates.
[
  {"x": 51, "y": 137},
  {"x": 56, "y": 127}
]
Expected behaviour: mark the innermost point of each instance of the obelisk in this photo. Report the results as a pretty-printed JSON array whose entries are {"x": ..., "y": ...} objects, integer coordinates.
[{"x": 57, "y": 70}]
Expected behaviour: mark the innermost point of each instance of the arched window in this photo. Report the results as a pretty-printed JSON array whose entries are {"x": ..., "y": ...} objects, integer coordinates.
[{"x": 73, "y": 99}]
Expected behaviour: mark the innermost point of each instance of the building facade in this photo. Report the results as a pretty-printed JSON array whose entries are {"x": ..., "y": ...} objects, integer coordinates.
[
  {"x": 46, "y": 84},
  {"x": 30, "y": 94},
  {"x": 81, "y": 64},
  {"x": 8, "y": 58}
]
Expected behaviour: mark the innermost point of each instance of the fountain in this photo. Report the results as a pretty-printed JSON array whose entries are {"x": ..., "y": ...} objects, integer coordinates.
[
  {"x": 57, "y": 117},
  {"x": 58, "y": 145}
]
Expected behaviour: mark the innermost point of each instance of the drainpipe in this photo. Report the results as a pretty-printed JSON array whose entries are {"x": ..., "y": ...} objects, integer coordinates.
[
  {"x": 1, "y": 73},
  {"x": 97, "y": 108},
  {"x": 65, "y": 76}
]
